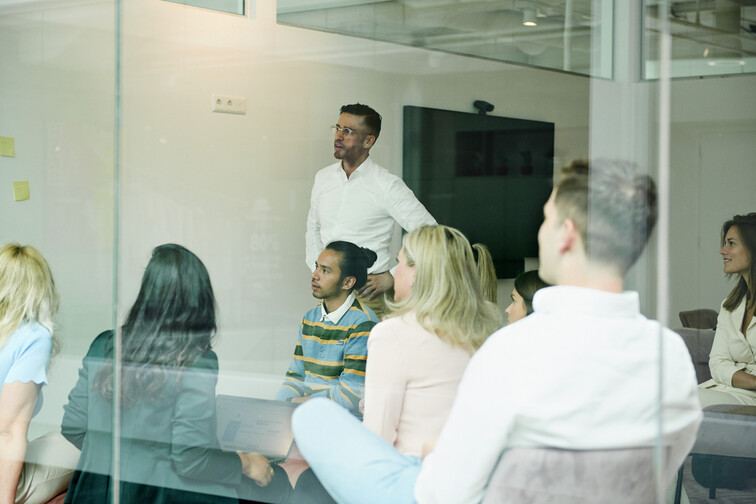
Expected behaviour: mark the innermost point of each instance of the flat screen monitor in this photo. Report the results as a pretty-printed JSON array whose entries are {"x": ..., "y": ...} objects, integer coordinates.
[{"x": 488, "y": 176}]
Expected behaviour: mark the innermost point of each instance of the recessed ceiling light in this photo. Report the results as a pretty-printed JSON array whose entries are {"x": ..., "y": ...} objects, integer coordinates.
[{"x": 529, "y": 17}]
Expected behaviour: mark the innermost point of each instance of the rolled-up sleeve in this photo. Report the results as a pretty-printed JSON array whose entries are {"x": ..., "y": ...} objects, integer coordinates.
[{"x": 404, "y": 207}]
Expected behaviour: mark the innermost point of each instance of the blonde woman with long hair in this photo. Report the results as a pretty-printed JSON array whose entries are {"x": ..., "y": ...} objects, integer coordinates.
[
  {"x": 416, "y": 357},
  {"x": 28, "y": 304}
]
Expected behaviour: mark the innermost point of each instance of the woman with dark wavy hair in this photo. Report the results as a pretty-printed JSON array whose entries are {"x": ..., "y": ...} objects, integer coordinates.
[
  {"x": 731, "y": 361},
  {"x": 166, "y": 397}
]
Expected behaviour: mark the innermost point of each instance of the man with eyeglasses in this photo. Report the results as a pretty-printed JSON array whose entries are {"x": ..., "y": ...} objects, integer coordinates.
[{"x": 357, "y": 200}]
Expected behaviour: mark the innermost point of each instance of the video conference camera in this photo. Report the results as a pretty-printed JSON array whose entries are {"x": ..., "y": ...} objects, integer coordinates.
[{"x": 483, "y": 106}]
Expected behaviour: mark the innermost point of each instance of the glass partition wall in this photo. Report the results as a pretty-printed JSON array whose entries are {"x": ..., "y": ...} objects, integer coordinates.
[
  {"x": 143, "y": 123},
  {"x": 57, "y": 120}
]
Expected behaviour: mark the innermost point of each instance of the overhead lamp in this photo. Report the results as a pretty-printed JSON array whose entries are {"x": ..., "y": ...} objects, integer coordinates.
[
  {"x": 720, "y": 57},
  {"x": 529, "y": 17},
  {"x": 726, "y": 63}
]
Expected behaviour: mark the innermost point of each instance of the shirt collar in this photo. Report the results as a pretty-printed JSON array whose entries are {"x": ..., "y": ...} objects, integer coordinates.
[
  {"x": 336, "y": 315},
  {"x": 361, "y": 170},
  {"x": 563, "y": 298}
]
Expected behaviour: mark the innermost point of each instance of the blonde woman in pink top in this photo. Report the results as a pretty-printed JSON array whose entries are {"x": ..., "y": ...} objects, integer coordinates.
[{"x": 416, "y": 357}]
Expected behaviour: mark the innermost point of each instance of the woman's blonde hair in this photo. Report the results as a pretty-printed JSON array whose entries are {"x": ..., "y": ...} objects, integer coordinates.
[
  {"x": 27, "y": 291},
  {"x": 446, "y": 297},
  {"x": 486, "y": 271}
]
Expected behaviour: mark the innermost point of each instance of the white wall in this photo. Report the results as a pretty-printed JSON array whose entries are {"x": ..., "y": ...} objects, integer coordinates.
[{"x": 713, "y": 178}]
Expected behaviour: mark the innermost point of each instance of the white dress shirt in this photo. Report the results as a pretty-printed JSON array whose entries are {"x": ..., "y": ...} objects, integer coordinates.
[
  {"x": 581, "y": 372},
  {"x": 360, "y": 209}
]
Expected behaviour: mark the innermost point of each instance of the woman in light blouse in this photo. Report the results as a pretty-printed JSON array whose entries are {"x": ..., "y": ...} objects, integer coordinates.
[
  {"x": 416, "y": 357},
  {"x": 732, "y": 360}
]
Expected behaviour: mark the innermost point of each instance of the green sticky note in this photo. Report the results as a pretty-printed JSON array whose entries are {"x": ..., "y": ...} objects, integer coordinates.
[
  {"x": 7, "y": 146},
  {"x": 21, "y": 190}
]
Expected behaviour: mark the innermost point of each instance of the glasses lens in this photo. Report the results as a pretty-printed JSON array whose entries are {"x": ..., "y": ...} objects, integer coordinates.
[{"x": 344, "y": 131}]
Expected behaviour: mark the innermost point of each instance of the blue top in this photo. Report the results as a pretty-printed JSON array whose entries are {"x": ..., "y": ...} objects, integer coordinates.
[{"x": 25, "y": 357}]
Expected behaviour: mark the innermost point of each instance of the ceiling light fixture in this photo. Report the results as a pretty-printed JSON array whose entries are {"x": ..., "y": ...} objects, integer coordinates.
[
  {"x": 726, "y": 63},
  {"x": 529, "y": 17}
]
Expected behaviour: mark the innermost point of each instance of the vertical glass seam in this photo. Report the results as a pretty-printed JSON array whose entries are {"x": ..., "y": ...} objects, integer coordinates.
[
  {"x": 662, "y": 251},
  {"x": 115, "y": 480}
]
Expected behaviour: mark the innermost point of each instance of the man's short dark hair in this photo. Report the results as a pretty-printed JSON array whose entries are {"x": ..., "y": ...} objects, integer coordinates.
[
  {"x": 613, "y": 206},
  {"x": 371, "y": 118}
]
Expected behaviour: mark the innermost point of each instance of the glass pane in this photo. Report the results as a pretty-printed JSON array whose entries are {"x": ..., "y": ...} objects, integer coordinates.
[
  {"x": 573, "y": 36},
  {"x": 57, "y": 73},
  {"x": 230, "y": 6},
  {"x": 708, "y": 37},
  {"x": 144, "y": 123}
]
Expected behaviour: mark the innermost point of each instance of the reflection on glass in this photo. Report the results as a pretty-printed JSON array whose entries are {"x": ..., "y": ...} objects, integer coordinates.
[
  {"x": 232, "y": 6},
  {"x": 708, "y": 37},
  {"x": 558, "y": 35}
]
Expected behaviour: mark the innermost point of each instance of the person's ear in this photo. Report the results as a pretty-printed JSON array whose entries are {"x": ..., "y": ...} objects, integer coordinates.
[
  {"x": 570, "y": 236},
  {"x": 348, "y": 283},
  {"x": 369, "y": 141}
]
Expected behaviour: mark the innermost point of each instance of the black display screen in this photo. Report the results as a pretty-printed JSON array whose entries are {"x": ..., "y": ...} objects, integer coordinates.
[{"x": 486, "y": 175}]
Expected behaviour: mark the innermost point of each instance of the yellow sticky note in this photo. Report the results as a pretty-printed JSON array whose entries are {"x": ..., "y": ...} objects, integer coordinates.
[
  {"x": 7, "y": 146},
  {"x": 21, "y": 190}
]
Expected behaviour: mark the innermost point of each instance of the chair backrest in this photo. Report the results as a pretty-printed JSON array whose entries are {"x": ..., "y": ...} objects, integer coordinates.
[
  {"x": 551, "y": 476},
  {"x": 699, "y": 342},
  {"x": 703, "y": 318},
  {"x": 547, "y": 475}
]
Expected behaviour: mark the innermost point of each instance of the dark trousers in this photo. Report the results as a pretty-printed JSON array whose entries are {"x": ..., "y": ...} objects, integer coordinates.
[{"x": 310, "y": 491}]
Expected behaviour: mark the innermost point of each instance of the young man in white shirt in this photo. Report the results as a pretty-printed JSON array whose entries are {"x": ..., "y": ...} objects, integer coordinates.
[
  {"x": 580, "y": 373},
  {"x": 357, "y": 200}
]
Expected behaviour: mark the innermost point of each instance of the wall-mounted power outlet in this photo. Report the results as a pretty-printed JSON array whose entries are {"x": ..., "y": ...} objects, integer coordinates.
[{"x": 229, "y": 104}]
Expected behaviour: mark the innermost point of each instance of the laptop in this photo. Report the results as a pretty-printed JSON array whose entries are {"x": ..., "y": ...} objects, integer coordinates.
[{"x": 248, "y": 424}]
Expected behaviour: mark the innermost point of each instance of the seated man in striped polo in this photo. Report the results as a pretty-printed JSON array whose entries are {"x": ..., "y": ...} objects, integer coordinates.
[{"x": 330, "y": 356}]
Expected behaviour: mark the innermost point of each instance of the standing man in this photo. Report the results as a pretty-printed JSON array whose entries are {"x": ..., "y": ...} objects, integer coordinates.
[
  {"x": 357, "y": 200},
  {"x": 331, "y": 353},
  {"x": 581, "y": 373}
]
